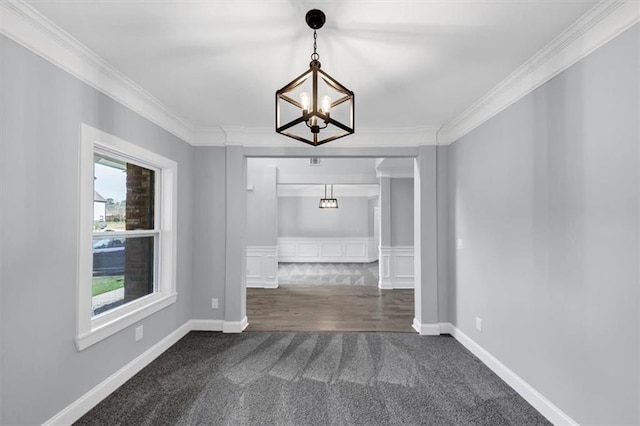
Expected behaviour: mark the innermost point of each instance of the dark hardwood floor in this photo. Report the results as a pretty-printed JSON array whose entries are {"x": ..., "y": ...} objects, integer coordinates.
[{"x": 329, "y": 308}]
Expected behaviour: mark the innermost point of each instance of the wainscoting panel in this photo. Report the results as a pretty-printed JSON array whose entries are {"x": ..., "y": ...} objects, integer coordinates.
[
  {"x": 286, "y": 250},
  {"x": 331, "y": 250},
  {"x": 262, "y": 266},
  {"x": 396, "y": 267},
  {"x": 327, "y": 250},
  {"x": 308, "y": 250}
]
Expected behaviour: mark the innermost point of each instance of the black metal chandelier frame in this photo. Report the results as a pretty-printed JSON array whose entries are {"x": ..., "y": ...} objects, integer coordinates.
[{"x": 314, "y": 113}]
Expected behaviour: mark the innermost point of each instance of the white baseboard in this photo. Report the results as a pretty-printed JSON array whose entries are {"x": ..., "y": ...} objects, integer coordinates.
[
  {"x": 219, "y": 325},
  {"x": 446, "y": 328},
  {"x": 86, "y": 402},
  {"x": 82, "y": 405},
  {"x": 390, "y": 285},
  {"x": 206, "y": 325},
  {"x": 426, "y": 329},
  {"x": 262, "y": 284},
  {"x": 235, "y": 326},
  {"x": 554, "y": 414}
]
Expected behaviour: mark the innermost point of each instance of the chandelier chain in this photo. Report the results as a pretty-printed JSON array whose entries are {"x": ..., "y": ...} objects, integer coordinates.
[{"x": 315, "y": 56}]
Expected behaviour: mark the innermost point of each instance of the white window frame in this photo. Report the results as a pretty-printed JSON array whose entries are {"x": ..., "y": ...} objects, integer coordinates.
[{"x": 92, "y": 329}]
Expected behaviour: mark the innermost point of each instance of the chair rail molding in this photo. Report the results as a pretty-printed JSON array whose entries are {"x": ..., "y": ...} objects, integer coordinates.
[
  {"x": 262, "y": 266},
  {"x": 396, "y": 267},
  {"x": 327, "y": 249}
]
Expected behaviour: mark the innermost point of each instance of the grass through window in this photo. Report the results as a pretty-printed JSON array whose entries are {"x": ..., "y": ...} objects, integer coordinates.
[{"x": 105, "y": 284}]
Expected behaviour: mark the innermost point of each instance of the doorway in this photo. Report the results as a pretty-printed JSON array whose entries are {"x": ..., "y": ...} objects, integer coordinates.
[
  {"x": 317, "y": 269},
  {"x": 430, "y": 293}
]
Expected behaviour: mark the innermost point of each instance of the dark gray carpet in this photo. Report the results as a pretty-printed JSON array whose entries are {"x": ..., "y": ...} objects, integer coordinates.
[
  {"x": 314, "y": 379},
  {"x": 328, "y": 273}
]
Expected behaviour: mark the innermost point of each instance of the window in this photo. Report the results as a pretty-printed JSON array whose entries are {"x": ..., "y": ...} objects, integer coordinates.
[{"x": 127, "y": 235}]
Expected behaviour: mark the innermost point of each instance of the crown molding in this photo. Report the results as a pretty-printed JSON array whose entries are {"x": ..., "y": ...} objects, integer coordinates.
[
  {"x": 215, "y": 136},
  {"x": 369, "y": 138},
  {"x": 28, "y": 27},
  {"x": 601, "y": 24}
]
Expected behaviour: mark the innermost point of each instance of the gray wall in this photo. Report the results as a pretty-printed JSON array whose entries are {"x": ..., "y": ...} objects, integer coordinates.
[
  {"x": 41, "y": 109},
  {"x": 372, "y": 204},
  {"x": 401, "y": 212},
  {"x": 545, "y": 199},
  {"x": 443, "y": 217},
  {"x": 262, "y": 204},
  {"x": 209, "y": 219},
  {"x": 235, "y": 234},
  {"x": 3, "y": 156},
  {"x": 332, "y": 170},
  {"x": 301, "y": 217}
]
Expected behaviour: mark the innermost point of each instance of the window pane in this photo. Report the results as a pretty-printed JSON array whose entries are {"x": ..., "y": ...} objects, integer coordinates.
[
  {"x": 123, "y": 195},
  {"x": 109, "y": 193},
  {"x": 123, "y": 270},
  {"x": 140, "y": 205}
]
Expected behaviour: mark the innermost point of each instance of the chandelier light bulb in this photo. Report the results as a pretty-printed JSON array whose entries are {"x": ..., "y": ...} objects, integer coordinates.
[
  {"x": 325, "y": 105},
  {"x": 304, "y": 101}
]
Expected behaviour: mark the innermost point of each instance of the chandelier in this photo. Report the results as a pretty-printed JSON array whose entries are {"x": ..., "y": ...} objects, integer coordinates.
[
  {"x": 328, "y": 203},
  {"x": 305, "y": 105}
]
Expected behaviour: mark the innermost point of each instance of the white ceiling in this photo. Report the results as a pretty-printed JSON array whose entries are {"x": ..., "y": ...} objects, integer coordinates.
[{"x": 412, "y": 64}]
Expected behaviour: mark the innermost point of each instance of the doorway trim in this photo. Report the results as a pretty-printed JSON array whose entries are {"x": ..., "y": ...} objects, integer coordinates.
[{"x": 425, "y": 225}]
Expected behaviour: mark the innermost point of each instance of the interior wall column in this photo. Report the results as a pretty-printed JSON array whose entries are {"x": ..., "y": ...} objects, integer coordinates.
[
  {"x": 426, "y": 241},
  {"x": 385, "y": 227},
  {"x": 262, "y": 225},
  {"x": 235, "y": 301}
]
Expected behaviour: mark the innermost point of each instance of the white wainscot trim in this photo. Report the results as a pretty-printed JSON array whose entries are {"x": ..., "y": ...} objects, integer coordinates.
[
  {"x": 396, "y": 267},
  {"x": 262, "y": 266},
  {"x": 327, "y": 250},
  {"x": 552, "y": 413}
]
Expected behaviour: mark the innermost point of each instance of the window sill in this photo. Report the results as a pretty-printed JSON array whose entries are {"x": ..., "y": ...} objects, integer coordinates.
[{"x": 101, "y": 328}]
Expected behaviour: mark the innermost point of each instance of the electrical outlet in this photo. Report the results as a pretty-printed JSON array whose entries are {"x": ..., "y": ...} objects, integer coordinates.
[
  {"x": 214, "y": 303},
  {"x": 459, "y": 244},
  {"x": 479, "y": 324},
  {"x": 139, "y": 332}
]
